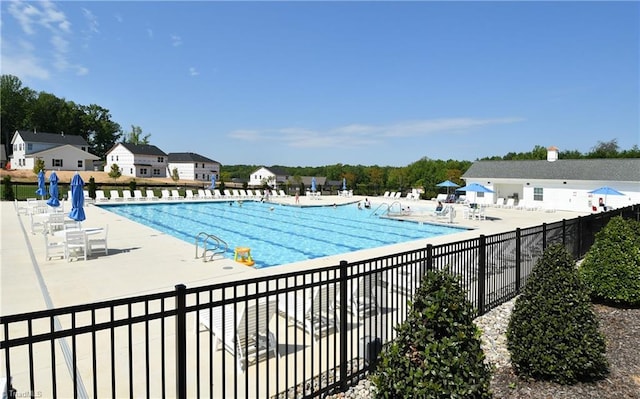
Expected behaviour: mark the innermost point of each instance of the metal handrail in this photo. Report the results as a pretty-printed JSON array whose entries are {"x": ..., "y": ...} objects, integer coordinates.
[
  {"x": 375, "y": 211},
  {"x": 220, "y": 246}
]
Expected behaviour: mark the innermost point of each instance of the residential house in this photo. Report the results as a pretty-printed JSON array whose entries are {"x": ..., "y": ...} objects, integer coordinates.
[
  {"x": 58, "y": 151},
  {"x": 191, "y": 166},
  {"x": 137, "y": 160},
  {"x": 270, "y": 176},
  {"x": 562, "y": 184}
]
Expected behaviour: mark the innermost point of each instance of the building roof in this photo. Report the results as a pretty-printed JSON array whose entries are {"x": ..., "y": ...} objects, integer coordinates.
[
  {"x": 53, "y": 138},
  {"x": 84, "y": 154},
  {"x": 140, "y": 149},
  {"x": 276, "y": 171},
  {"x": 177, "y": 157},
  {"x": 612, "y": 169}
]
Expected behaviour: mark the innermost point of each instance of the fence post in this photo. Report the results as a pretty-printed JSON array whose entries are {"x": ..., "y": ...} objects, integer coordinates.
[
  {"x": 544, "y": 236},
  {"x": 429, "y": 257},
  {"x": 181, "y": 342},
  {"x": 579, "y": 236},
  {"x": 482, "y": 269},
  {"x": 518, "y": 263},
  {"x": 343, "y": 325},
  {"x": 564, "y": 232}
]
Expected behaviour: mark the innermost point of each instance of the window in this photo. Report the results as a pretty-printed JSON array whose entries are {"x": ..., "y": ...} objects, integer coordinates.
[
  {"x": 160, "y": 159},
  {"x": 156, "y": 172},
  {"x": 56, "y": 163},
  {"x": 130, "y": 171},
  {"x": 29, "y": 146},
  {"x": 80, "y": 163},
  {"x": 537, "y": 194},
  {"x": 143, "y": 172},
  {"x": 196, "y": 176}
]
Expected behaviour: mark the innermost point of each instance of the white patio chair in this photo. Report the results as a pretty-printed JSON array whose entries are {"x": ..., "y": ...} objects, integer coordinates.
[
  {"x": 99, "y": 243},
  {"x": 176, "y": 195},
  {"x": 100, "y": 197},
  {"x": 245, "y": 330},
  {"x": 165, "y": 195},
  {"x": 54, "y": 247},
  {"x": 311, "y": 309},
  {"x": 126, "y": 195},
  {"x": 188, "y": 194},
  {"x": 151, "y": 195},
  {"x": 363, "y": 302},
  {"x": 75, "y": 244},
  {"x": 114, "y": 195}
]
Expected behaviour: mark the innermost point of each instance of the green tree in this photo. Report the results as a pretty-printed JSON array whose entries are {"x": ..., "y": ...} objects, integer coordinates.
[
  {"x": 101, "y": 132},
  {"x": 38, "y": 165},
  {"x": 14, "y": 100},
  {"x": 175, "y": 176},
  {"x": 605, "y": 149},
  {"x": 135, "y": 136},
  {"x": 115, "y": 173},
  {"x": 7, "y": 189}
]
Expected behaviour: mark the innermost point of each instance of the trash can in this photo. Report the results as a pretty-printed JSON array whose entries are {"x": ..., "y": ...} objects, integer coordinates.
[{"x": 370, "y": 348}]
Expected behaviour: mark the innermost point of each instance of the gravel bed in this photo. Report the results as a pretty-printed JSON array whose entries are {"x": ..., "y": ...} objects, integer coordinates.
[{"x": 621, "y": 328}]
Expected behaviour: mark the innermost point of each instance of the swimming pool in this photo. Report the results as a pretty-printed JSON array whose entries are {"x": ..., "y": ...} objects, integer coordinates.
[{"x": 279, "y": 234}]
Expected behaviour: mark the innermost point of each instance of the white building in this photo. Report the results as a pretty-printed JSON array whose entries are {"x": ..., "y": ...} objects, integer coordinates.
[
  {"x": 192, "y": 166},
  {"x": 58, "y": 151},
  {"x": 268, "y": 176},
  {"x": 557, "y": 183},
  {"x": 137, "y": 160}
]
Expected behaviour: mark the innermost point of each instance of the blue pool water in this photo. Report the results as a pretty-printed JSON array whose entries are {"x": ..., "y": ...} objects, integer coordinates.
[{"x": 279, "y": 234}]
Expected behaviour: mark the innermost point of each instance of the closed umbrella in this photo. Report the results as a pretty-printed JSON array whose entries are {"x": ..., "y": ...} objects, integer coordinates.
[
  {"x": 41, "y": 191},
  {"x": 77, "y": 199},
  {"x": 53, "y": 190},
  {"x": 313, "y": 184},
  {"x": 213, "y": 182},
  {"x": 344, "y": 184}
]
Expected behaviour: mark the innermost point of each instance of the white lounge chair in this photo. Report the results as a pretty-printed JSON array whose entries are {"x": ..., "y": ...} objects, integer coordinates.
[
  {"x": 209, "y": 195},
  {"x": 100, "y": 197},
  {"x": 201, "y": 194},
  {"x": 216, "y": 193},
  {"x": 126, "y": 195},
  {"x": 165, "y": 195},
  {"x": 386, "y": 194},
  {"x": 176, "y": 195},
  {"x": 510, "y": 203},
  {"x": 363, "y": 302},
  {"x": 245, "y": 330},
  {"x": 188, "y": 194},
  {"x": 282, "y": 193},
  {"x": 151, "y": 195},
  {"x": 311, "y": 309},
  {"x": 227, "y": 194},
  {"x": 137, "y": 194},
  {"x": 114, "y": 195}
]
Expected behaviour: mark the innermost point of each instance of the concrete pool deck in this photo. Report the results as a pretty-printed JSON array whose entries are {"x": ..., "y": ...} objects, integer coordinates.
[{"x": 142, "y": 260}]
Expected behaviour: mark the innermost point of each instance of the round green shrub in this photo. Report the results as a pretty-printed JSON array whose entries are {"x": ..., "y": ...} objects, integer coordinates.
[
  {"x": 611, "y": 268},
  {"x": 553, "y": 332},
  {"x": 437, "y": 352}
]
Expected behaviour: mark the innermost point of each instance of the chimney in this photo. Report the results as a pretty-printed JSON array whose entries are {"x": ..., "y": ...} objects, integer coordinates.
[{"x": 552, "y": 154}]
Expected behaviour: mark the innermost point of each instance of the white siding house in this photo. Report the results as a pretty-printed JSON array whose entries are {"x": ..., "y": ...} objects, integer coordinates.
[
  {"x": 58, "y": 151},
  {"x": 269, "y": 176},
  {"x": 192, "y": 166},
  {"x": 558, "y": 184},
  {"x": 137, "y": 160}
]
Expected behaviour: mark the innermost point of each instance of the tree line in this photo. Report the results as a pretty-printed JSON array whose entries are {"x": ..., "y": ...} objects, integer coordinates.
[{"x": 25, "y": 109}]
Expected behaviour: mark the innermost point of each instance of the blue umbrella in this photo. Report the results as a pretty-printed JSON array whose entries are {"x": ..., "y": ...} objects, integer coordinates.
[
  {"x": 447, "y": 184},
  {"x": 41, "y": 191},
  {"x": 213, "y": 182},
  {"x": 313, "y": 184},
  {"x": 344, "y": 183},
  {"x": 77, "y": 199},
  {"x": 475, "y": 188},
  {"x": 53, "y": 190},
  {"x": 605, "y": 190}
]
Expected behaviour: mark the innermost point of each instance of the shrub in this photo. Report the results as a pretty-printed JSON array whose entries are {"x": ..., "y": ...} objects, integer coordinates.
[
  {"x": 437, "y": 352},
  {"x": 611, "y": 268},
  {"x": 553, "y": 332},
  {"x": 7, "y": 189}
]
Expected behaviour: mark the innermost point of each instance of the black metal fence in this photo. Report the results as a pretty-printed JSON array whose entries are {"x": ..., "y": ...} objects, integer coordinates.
[{"x": 300, "y": 334}]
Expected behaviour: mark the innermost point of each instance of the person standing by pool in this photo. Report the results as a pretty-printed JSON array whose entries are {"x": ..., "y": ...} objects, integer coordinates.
[{"x": 297, "y": 197}]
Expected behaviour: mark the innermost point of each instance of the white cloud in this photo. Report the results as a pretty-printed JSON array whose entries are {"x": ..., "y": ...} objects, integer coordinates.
[
  {"x": 33, "y": 17},
  {"x": 150, "y": 33},
  {"x": 176, "y": 40},
  {"x": 361, "y": 135},
  {"x": 193, "y": 72}
]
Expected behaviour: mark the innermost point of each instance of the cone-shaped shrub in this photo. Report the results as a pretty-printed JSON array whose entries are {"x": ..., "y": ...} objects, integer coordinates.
[
  {"x": 553, "y": 332},
  {"x": 437, "y": 352},
  {"x": 611, "y": 268}
]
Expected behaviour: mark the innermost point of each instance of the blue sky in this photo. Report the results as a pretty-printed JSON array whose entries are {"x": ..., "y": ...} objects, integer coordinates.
[{"x": 319, "y": 83}]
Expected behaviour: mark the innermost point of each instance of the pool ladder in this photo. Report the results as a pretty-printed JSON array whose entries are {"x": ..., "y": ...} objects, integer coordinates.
[{"x": 211, "y": 246}]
